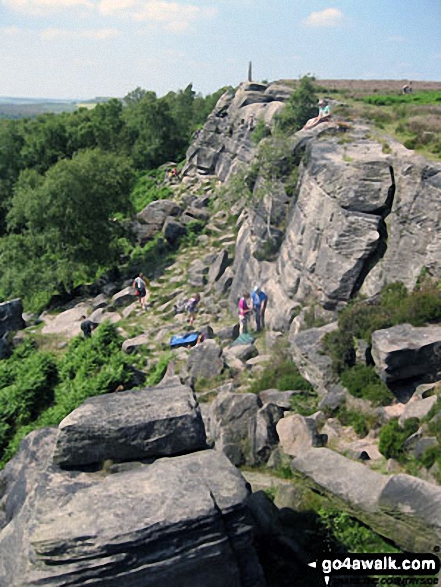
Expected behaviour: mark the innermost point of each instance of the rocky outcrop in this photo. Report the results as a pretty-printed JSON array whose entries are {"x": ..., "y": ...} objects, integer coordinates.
[
  {"x": 180, "y": 520},
  {"x": 308, "y": 355},
  {"x": 11, "y": 316},
  {"x": 130, "y": 425},
  {"x": 298, "y": 434},
  {"x": 205, "y": 360},
  {"x": 225, "y": 140},
  {"x": 413, "y": 226},
  {"x": 400, "y": 507},
  {"x": 241, "y": 428},
  {"x": 404, "y": 352}
]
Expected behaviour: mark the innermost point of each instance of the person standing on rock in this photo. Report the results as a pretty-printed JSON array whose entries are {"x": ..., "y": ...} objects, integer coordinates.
[
  {"x": 244, "y": 313},
  {"x": 140, "y": 285},
  {"x": 259, "y": 301},
  {"x": 192, "y": 307}
]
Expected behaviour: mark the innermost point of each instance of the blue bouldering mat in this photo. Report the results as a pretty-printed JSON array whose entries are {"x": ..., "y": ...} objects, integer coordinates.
[{"x": 183, "y": 340}]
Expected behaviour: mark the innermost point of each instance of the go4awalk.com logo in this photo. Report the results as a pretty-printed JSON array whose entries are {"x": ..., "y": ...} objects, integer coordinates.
[{"x": 404, "y": 566}]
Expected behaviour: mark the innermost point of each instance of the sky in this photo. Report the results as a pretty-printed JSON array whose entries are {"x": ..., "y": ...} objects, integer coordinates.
[{"x": 81, "y": 49}]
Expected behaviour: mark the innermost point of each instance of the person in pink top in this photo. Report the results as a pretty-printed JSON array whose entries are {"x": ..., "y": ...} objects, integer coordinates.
[{"x": 244, "y": 312}]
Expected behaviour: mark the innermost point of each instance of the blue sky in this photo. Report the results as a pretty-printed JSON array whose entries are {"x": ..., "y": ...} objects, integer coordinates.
[{"x": 88, "y": 48}]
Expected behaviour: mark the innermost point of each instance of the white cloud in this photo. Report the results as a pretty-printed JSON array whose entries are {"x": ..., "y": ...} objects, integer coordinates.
[
  {"x": 53, "y": 34},
  {"x": 109, "y": 7},
  {"x": 330, "y": 17},
  {"x": 174, "y": 16},
  {"x": 39, "y": 7},
  {"x": 11, "y": 31}
]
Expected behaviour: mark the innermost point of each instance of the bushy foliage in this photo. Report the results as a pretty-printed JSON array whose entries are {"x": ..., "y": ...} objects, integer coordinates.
[
  {"x": 352, "y": 534},
  {"x": 339, "y": 345},
  {"x": 363, "y": 382},
  {"x": 160, "y": 368},
  {"x": 305, "y": 403},
  {"x": 282, "y": 374},
  {"x": 27, "y": 381},
  {"x": 40, "y": 391},
  {"x": 360, "y": 422},
  {"x": 260, "y": 131},
  {"x": 396, "y": 306},
  {"x": 392, "y": 437},
  {"x": 301, "y": 106},
  {"x": 148, "y": 188}
]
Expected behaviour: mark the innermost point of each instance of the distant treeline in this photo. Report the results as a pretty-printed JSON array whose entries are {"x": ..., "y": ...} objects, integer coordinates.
[{"x": 66, "y": 179}]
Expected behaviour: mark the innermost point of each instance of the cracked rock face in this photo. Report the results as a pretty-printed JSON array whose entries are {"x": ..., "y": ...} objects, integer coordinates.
[
  {"x": 179, "y": 520},
  {"x": 404, "y": 352}
]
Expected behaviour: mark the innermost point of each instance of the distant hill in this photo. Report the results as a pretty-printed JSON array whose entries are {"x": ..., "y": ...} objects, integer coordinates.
[{"x": 31, "y": 107}]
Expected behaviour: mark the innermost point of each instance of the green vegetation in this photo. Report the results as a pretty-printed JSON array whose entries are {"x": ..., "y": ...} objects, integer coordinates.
[
  {"x": 70, "y": 181},
  {"x": 392, "y": 437},
  {"x": 363, "y": 382},
  {"x": 260, "y": 131},
  {"x": 148, "y": 188},
  {"x": 301, "y": 106},
  {"x": 425, "y": 97},
  {"x": 39, "y": 390},
  {"x": 396, "y": 306},
  {"x": 352, "y": 534},
  {"x": 305, "y": 403},
  {"x": 281, "y": 373},
  {"x": 360, "y": 422},
  {"x": 414, "y": 119}
]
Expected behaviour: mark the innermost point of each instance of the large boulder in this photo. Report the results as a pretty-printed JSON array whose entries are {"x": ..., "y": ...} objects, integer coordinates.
[
  {"x": 218, "y": 267},
  {"x": 233, "y": 425},
  {"x": 404, "y": 352},
  {"x": 402, "y": 508},
  {"x": 298, "y": 434},
  {"x": 130, "y": 425},
  {"x": 173, "y": 230},
  {"x": 156, "y": 212},
  {"x": 308, "y": 355},
  {"x": 11, "y": 316},
  {"x": 205, "y": 360},
  {"x": 67, "y": 323},
  {"x": 178, "y": 521}
]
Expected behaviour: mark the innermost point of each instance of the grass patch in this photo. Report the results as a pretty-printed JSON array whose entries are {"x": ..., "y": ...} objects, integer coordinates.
[
  {"x": 392, "y": 438},
  {"x": 363, "y": 382},
  {"x": 283, "y": 375}
]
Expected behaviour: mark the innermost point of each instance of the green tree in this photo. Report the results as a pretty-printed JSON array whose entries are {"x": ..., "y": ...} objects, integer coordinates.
[
  {"x": 67, "y": 218},
  {"x": 301, "y": 106},
  {"x": 108, "y": 125}
]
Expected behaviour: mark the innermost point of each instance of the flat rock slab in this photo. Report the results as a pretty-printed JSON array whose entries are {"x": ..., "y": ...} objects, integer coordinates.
[
  {"x": 137, "y": 424},
  {"x": 181, "y": 521},
  {"x": 66, "y": 323},
  {"x": 403, "y": 508},
  {"x": 404, "y": 351}
]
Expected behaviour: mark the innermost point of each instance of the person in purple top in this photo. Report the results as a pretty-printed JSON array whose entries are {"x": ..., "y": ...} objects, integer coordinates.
[{"x": 244, "y": 313}]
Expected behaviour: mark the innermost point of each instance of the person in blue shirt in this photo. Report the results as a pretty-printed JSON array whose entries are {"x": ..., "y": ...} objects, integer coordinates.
[{"x": 259, "y": 301}]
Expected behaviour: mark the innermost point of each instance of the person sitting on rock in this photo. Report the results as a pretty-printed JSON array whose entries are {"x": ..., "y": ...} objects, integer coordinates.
[
  {"x": 324, "y": 115},
  {"x": 87, "y": 326},
  {"x": 244, "y": 313},
  {"x": 192, "y": 307},
  {"x": 259, "y": 301}
]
